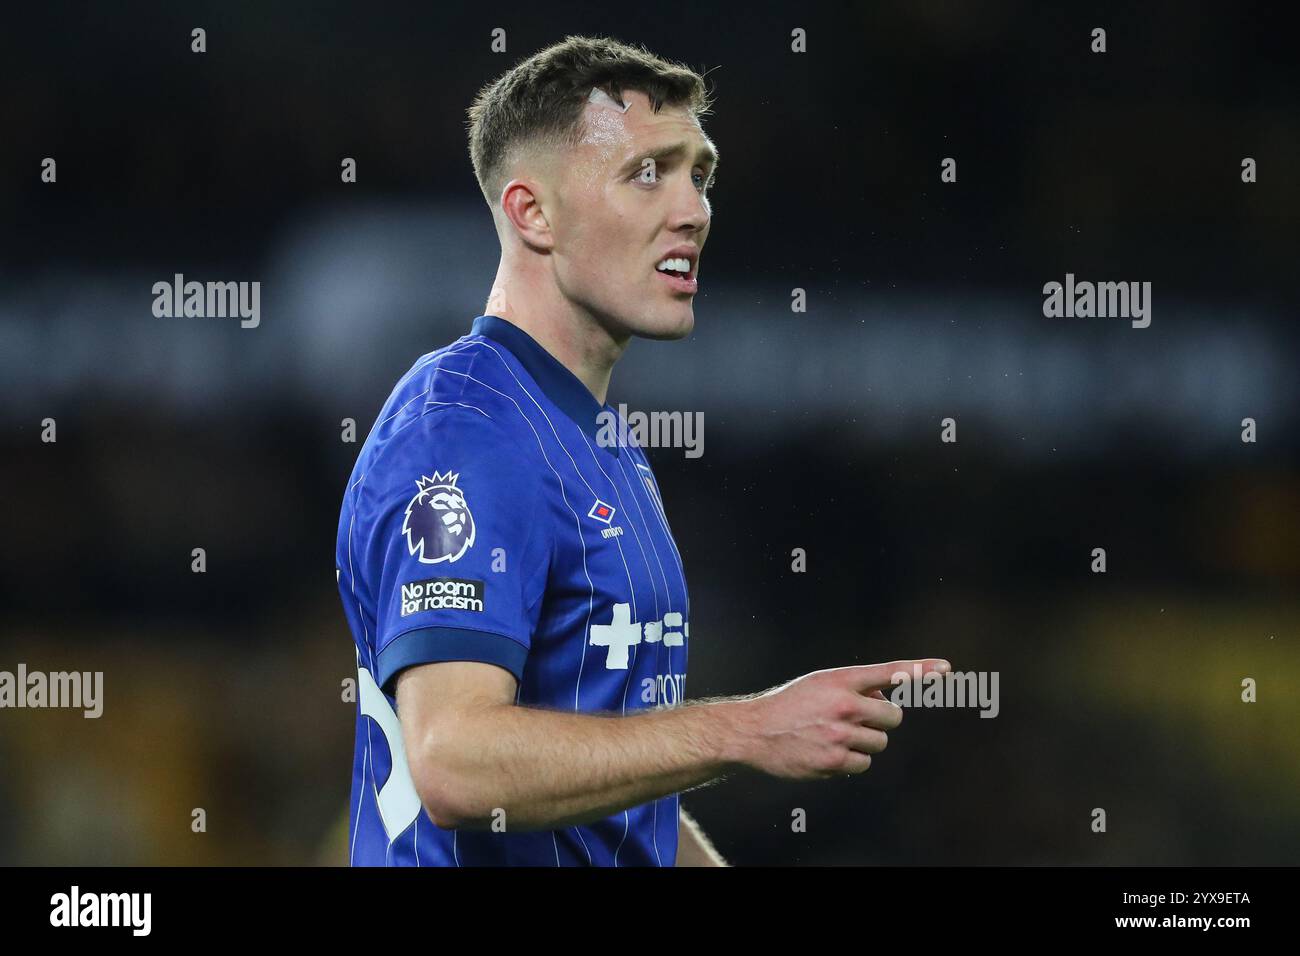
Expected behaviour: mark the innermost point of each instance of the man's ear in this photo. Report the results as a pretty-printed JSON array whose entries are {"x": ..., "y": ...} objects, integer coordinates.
[{"x": 521, "y": 204}]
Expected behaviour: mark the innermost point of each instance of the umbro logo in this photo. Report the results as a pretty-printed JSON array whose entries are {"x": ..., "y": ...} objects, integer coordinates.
[{"x": 604, "y": 513}]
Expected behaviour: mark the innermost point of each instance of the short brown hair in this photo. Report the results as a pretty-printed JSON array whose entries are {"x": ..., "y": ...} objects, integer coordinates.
[{"x": 542, "y": 98}]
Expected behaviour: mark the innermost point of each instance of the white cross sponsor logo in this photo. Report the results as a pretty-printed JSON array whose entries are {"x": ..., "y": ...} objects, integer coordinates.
[{"x": 622, "y": 633}]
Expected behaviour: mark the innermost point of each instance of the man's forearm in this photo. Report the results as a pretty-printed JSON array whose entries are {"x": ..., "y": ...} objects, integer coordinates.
[{"x": 546, "y": 768}]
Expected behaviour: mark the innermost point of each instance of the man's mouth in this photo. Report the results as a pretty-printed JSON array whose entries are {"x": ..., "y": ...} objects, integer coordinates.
[{"x": 679, "y": 272}]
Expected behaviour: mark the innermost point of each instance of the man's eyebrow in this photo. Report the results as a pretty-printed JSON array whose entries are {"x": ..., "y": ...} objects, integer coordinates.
[{"x": 706, "y": 155}]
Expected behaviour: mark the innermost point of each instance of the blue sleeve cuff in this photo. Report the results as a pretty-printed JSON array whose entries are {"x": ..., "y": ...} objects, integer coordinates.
[{"x": 430, "y": 645}]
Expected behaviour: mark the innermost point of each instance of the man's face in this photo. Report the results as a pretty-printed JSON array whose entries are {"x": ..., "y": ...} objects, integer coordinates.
[{"x": 632, "y": 195}]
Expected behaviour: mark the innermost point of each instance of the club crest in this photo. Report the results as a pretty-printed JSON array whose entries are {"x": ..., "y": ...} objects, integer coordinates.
[{"x": 438, "y": 524}]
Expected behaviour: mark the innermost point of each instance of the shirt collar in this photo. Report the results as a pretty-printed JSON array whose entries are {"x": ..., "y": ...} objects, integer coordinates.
[{"x": 560, "y": 385}]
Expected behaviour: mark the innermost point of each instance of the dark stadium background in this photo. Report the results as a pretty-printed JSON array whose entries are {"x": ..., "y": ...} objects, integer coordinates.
[{"x": 1119, "y": 691}]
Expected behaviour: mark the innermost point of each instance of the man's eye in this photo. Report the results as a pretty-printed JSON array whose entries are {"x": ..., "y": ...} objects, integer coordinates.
[
  {"x": 702, "y": 181},
  {"x": 647, "y": 173}
]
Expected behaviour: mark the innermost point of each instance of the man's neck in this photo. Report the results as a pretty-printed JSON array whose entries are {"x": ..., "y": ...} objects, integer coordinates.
[{"x": 575, "y": 340}]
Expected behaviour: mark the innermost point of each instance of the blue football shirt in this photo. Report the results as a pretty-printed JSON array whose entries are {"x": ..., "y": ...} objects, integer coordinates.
[{"x": 486, "y": 520}]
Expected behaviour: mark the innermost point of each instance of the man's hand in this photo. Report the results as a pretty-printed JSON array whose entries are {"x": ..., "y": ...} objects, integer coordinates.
[{"x": 825, "y": 724}]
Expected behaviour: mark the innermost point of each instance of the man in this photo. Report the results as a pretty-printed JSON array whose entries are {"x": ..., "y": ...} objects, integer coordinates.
[{"x": 512, "y": 584}]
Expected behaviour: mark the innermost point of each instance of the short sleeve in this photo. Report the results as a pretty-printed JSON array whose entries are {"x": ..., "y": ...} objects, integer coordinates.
[{"x": 460, "y": 545}]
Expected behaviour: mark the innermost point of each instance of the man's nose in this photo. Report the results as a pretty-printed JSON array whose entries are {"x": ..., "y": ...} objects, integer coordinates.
[{"x": 690, "y": 209}]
